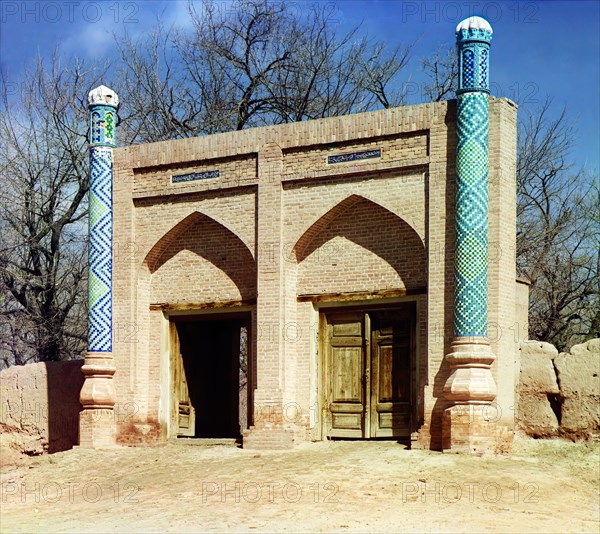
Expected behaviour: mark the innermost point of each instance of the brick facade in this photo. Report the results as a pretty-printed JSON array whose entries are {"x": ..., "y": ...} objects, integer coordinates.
[{"x": 281, "y": 234}]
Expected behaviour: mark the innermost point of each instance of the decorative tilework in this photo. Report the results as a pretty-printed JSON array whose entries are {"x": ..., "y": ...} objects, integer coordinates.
[
  {"x": 471, "y": 259},
  {"x": 102, "y": 138},
  {"x": 96, "y": 131},
  {"x": 354, "y": 156},
  {"x": 471, "y": 216},
  {"x": 483, "y": 67},
  {"x": 102, "y": 125},
  {"x": 474, "y": 35},
  {"x": 473, "y": 45},
  {"x": 100, "y": 251},
  {"x": 468, "y": 71},
  {"x": 190, "y": 177}
]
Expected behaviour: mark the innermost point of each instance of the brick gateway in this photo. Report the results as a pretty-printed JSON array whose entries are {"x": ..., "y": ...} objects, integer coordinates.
[{"x": 297, "y": 282}]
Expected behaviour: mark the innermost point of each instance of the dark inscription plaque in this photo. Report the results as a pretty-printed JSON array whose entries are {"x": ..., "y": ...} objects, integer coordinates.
[
  {"x": 354, "y": 156},
  {"x": 194, "y": 176}
]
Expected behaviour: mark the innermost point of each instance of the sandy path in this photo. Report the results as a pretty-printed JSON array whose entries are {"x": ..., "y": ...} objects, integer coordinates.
[{"x": 547, "y": 486}]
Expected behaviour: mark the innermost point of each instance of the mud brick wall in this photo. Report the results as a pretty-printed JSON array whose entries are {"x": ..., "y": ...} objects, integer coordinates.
[
  {"x": 559, "y": 394},
  {"x": 39, "y": 406}
]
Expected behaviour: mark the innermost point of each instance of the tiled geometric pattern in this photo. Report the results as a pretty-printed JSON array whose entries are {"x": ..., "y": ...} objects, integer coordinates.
[
  {"x": 96, "y": 132},
  {"x": 483, "y": 67},
  {"x": 109, "y": 127},
  {"x": 468, "y": 68},
  {"x": 471, "y": 299},
  {"x": 100, "y": 251},
  {"x": 473, "y": 45},
  {"x": 102, "y": 125},
  {"x": 470, "y": 314}
]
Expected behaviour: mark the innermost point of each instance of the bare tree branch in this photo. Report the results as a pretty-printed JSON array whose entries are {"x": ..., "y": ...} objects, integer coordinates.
[{"x": 44, "y": 173}]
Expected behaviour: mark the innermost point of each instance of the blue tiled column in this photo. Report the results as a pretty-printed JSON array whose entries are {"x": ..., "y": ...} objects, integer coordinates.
[
  {"x": 102, "y": 139},
  {"x": 97, "y": 425},
  {"x": 471, "y": 382},
  {"x": 470, "y": 308}
]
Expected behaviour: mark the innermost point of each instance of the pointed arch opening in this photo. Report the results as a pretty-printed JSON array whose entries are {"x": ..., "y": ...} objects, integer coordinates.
[
  {"x": 359, "y": 245},
  {"x": 200, "y": 260},
  {"x": 196, "y": 266}
]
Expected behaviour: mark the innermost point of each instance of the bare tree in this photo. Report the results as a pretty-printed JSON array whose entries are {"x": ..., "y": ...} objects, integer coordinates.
[
  {"x": 258, "y": 63},
  {"x": 441, "y": 70},
  {"x": 558, "y": 230},
  {"x": 44, "y": 183},
  {"x": 160, "y": 103}
]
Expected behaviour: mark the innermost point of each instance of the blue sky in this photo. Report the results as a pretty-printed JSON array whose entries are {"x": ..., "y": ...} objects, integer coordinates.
[{"x": 539, "y": 48}]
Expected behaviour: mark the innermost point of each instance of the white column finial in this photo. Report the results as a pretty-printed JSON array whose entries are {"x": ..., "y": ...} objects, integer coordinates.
[{"x": 103, "y": 95}]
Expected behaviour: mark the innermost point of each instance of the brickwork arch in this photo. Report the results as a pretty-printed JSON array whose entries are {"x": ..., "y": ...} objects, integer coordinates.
[
  {"x": 200, "y": 260},
  {"x": 358, "y": 245}
]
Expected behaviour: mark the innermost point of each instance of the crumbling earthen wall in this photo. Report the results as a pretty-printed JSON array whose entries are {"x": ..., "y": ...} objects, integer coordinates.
[
  {"x": 39, "y": 407},
  {"x": 559, "y": 394}
]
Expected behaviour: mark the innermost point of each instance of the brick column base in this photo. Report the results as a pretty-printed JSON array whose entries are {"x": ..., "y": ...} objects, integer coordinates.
[
  {"x": 470, "y": 428},
  {"x": 97, "y": 425},
  {"x": 97, "y": 428}
]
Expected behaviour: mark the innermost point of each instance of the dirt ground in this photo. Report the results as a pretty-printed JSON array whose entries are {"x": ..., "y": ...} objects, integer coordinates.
[{"x": 544, "y": 486}]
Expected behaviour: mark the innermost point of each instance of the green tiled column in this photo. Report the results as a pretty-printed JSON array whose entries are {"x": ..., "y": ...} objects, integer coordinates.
[
  {"x": 97, "y": 426},
  {"x": 470, "y": 310},
  {"x": 470, "y": 386}
]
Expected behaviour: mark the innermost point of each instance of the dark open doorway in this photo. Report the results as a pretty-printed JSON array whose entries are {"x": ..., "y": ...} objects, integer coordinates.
[{"x": 210, "y": 369}]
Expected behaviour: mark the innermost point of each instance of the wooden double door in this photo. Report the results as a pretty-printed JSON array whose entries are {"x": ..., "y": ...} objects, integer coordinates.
[{"x": 368, "y": 372}]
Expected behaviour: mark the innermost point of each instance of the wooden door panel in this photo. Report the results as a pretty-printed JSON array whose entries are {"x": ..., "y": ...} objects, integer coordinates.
[
  {"x": 393, "y": 423},
  {"x": 345, "y": 373},
  {"x": 352, "y": 328},
  {"x": 391, "y": 379},
  {"x": 346, "y": 425},
  {"x": 185, "y": 413},
  {"x": 394, "y": 371},
  {"x": 369, "y": 358}
]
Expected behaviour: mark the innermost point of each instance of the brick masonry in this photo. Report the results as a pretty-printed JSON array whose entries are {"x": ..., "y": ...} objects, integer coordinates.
[{"x": 279, "y": 231}]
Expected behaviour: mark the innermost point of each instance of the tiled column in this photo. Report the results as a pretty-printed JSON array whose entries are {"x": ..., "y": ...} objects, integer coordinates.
[
  {"x": 471, "y": 386},
  {"x": 96, "y": 422}
]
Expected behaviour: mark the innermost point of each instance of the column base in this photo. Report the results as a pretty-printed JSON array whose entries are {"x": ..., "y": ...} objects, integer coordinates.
[
  {"x": 469, "y": 429},
  {"x": 97, "y": 429},
  {"x": 469, "y": 426},
  {"x": 97, "y": 425},
  {"x": 471, "y": 377}
]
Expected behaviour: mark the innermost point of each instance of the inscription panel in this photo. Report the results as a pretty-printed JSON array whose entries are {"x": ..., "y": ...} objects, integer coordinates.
[
  {"x": 354, "y": 156},
  {"x": 190, "y": 177},
  {"x": 195, "y": 176},
  {"x": 382, "y": 152}
]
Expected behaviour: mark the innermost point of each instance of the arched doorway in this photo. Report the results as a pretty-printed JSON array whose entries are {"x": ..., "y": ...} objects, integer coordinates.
[
  {"x": 203, "y": 278},
  {"x": 365, "y": 270}
]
